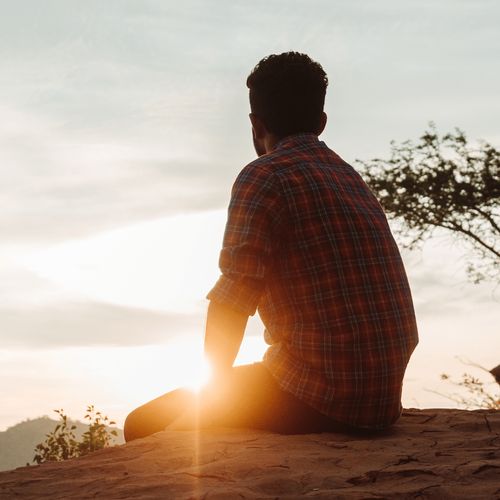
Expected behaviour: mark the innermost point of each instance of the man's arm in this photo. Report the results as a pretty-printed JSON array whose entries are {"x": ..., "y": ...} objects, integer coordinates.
[
  {"x": 224, "y": 333},
  {"x": 254, "y": 216}
]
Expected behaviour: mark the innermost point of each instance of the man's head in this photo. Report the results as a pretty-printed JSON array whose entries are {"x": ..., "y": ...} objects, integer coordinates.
[{"x": 287, "y": 95}]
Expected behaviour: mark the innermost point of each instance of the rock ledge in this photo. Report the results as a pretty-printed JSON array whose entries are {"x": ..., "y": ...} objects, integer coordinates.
[{"x": 432, "y": 453}]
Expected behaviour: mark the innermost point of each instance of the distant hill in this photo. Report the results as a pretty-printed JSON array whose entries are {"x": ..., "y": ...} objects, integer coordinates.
[{"x": 18, "y": 442}]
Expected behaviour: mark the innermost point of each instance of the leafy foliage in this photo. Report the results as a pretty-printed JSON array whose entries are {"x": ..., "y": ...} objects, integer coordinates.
[
  {"x": 61, "y": 443},
  {"x": 98, "y": 435},
  {"x": 443, "y": 182}
]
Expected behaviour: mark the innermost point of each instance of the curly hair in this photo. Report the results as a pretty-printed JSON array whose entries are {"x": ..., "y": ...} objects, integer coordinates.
[{"x": 287, "y": 92}]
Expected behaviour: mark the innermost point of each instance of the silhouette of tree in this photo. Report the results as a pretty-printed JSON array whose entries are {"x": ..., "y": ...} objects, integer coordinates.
[{"x": 443, "y": 182}]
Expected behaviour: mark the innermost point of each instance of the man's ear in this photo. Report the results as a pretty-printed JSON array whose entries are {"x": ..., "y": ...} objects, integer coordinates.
[
  {"x": 258, "y": 127},
  {"x": 322, "y": 123}
]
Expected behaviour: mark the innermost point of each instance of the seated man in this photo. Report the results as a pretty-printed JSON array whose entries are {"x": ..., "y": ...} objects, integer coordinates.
[{"x": 308, "y": 245}]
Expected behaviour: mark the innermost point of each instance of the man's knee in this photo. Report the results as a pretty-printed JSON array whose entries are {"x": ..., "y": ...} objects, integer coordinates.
[
  {"x": 132, "y": 426},
  {"x": 157, "y": 414}
]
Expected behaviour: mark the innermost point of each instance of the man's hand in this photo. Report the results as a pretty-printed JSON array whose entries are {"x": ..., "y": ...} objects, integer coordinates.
[{"x": 223, "y": 336}]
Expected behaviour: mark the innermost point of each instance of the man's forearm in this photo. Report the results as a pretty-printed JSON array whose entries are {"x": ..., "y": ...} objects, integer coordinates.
[{"x": 223, "y": 336}]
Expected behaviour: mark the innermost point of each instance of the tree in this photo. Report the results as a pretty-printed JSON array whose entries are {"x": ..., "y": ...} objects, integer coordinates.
[
  {"x": 61, "y": 443},
  {"x": 443, "y": 182}
]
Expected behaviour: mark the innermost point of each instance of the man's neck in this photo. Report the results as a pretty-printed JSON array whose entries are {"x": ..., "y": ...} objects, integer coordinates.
[{"x": 270, "y": 142}]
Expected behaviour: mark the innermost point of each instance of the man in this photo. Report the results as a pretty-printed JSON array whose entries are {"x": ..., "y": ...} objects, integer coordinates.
[{"x": 308, "y": 245}]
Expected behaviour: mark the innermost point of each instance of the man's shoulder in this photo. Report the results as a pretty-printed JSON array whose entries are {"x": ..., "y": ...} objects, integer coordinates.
[
  {"x": 262, "y": 167},
  {"x": 282, "y": 162}
]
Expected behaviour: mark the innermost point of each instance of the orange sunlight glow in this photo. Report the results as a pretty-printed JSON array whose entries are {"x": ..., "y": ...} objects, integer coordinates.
[
  {"x": 198, "y": 376},
  {"x": 181, "y": 363}
]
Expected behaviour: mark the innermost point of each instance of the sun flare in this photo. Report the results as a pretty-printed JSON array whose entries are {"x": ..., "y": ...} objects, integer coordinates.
[
  {"x": 198, "y": 376},
  {"x": 181, "y": 363}
]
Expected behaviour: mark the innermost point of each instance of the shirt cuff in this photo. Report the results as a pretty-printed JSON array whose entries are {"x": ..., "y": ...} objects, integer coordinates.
[{"x": 236, "y": 295}]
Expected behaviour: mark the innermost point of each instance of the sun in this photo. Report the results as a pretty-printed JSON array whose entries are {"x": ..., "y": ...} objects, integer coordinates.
[
  {"x": 137, "y": 374},
  {"x": 184, "y": 364},
  {"x": 198, "y": 376}
]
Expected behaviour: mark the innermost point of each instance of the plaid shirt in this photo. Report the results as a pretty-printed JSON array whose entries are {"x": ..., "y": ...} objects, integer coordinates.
[{"x": 308, "y": 244}]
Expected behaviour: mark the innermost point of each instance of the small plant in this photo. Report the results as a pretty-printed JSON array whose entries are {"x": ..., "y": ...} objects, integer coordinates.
[
  {"x": 61, "y": 443},
  {"x": 478, "y": 397},
  {"x": 98, "y": 435}
]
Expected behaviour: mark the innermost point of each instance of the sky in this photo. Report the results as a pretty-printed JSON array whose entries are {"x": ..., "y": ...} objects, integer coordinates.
[{"x": 124, "y": 124}]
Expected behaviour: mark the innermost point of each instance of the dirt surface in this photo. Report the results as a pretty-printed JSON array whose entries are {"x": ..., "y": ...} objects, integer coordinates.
[{"x": 432, "y": 453}]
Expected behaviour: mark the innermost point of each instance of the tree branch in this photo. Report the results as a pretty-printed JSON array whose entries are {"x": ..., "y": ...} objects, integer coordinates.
[
  {"x": 477, "y": 239},
  {"x": 488, "y": 217}
]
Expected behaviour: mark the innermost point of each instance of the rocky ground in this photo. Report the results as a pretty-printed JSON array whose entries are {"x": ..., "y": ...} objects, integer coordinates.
[{"x": 433, "y": 453}]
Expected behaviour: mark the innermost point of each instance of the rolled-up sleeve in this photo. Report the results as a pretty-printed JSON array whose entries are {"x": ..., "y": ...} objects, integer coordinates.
[{"x": 254, "y": 215}]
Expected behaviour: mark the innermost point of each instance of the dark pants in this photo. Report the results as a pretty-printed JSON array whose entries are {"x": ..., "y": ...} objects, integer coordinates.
[{"x": 248, "y": 397}]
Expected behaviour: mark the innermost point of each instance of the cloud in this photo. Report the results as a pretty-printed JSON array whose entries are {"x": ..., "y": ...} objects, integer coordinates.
[
  {"x": 439, "y": 283},
  {"x": 168, "y": 264},
  {"x": 89, "y": 324},
  {"x": 114, "y": 113},
  {"x": 106, "y": 122},
  {"x": 59, "y": 188}
]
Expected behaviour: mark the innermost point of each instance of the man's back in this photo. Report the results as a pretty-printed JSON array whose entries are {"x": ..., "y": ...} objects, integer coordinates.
[{"x": 308, "y": 243}]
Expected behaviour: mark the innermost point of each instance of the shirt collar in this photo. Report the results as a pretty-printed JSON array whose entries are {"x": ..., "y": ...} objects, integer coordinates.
[{"x": 296, "y": 140}]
